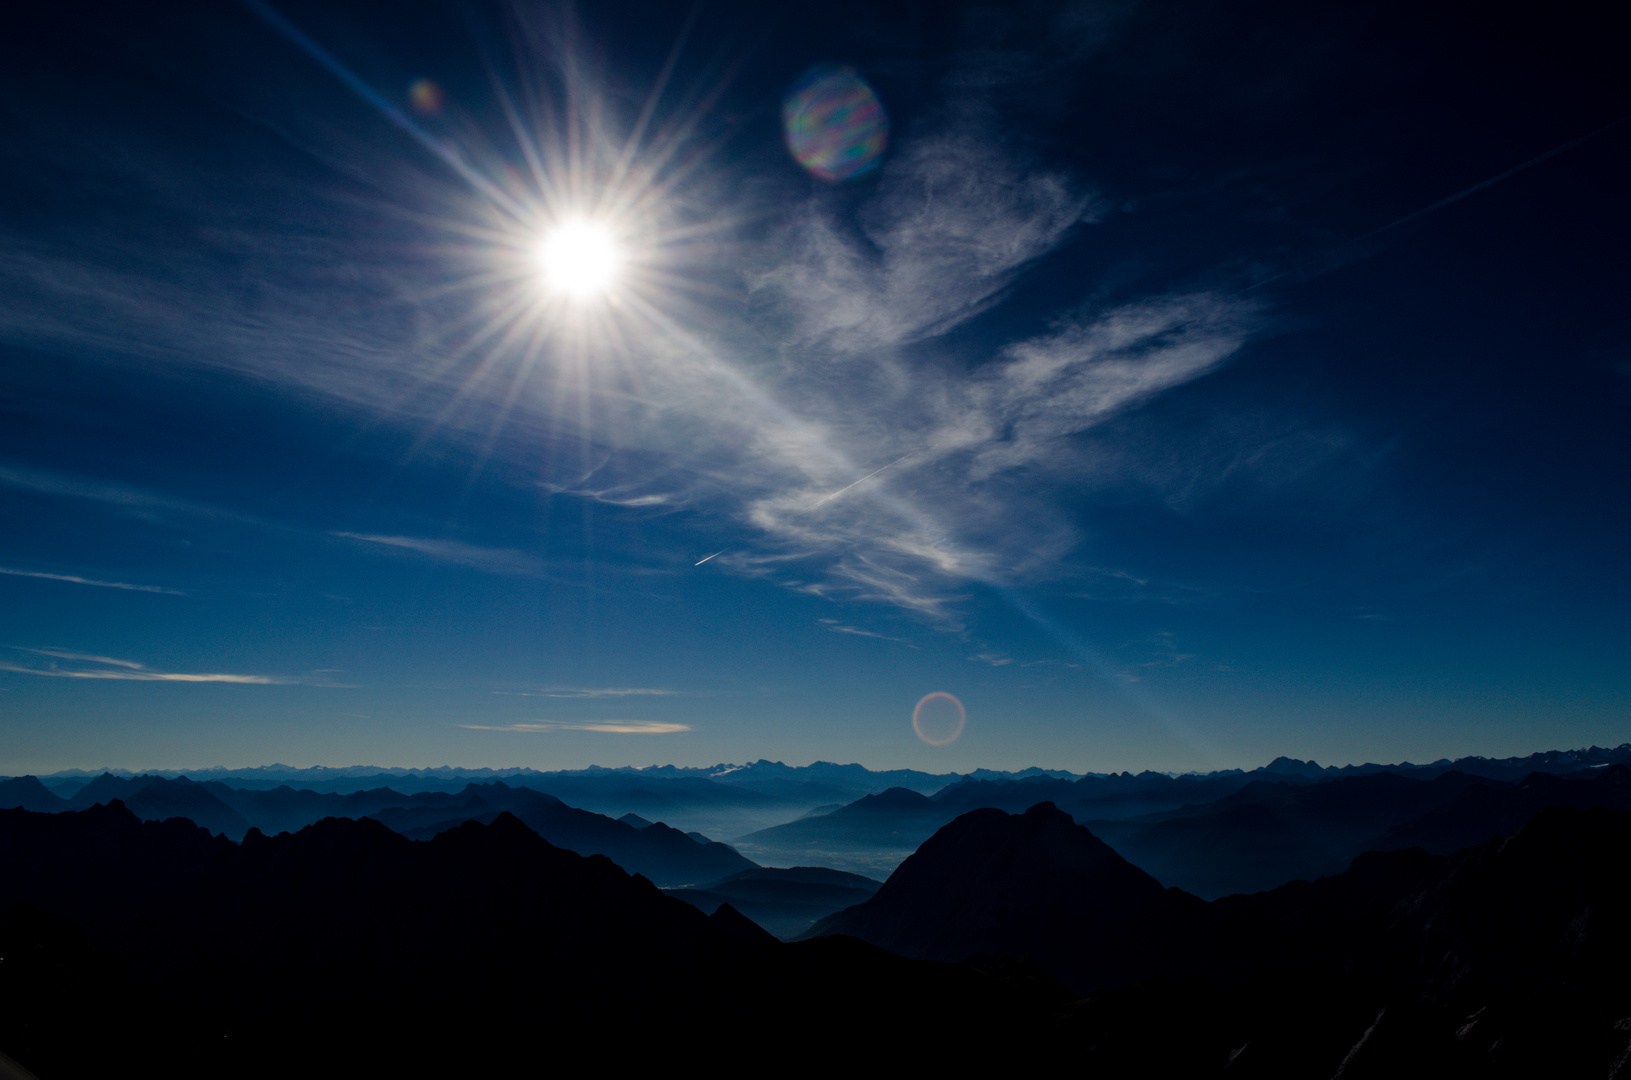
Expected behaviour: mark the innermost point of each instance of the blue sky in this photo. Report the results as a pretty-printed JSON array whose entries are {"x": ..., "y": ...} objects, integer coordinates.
[{"x": 1177, "y": 389}]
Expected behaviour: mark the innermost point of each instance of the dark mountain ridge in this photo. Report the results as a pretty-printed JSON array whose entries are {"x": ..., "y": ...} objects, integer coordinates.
[
  {"x": 1211, "y": 836},
  {"x": 1521, "y": 942},
  {"x": 27, "y": 793},
  {"x": 347, "y": 949},
  {"x": 659, "y": 852},
  {"x": 1034, "y": 884}
]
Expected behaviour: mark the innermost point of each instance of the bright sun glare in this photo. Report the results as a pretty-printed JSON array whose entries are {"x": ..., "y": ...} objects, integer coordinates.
[{"x": 579, "y": 258}]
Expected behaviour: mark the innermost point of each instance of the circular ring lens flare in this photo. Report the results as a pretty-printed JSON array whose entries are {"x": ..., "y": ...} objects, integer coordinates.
[
  {"x": 835, "y": 126},
  {"x": 579, "y": 259},
  {"x": 939, "y": 718}
]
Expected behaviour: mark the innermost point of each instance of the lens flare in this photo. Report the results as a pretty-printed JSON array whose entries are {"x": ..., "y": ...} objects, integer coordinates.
[
  {"x": 939, "y": 718},
  {"x": 835, "y": 126},
  {"x": 426, "y": 96},
  {"x": 579, "y": 259}
]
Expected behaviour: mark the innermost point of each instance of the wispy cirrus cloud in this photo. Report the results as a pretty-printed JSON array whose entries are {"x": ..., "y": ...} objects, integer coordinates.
[
  {"x": 940, "y": 513},
  {"x": 75, "y": 579},
  {"x": 953, "y": 221},
  {"x": 838, "y": 627},
  {"x": 823, "y": 435},
  {"x": 632, "y": 498},
  {"x": 145, "y": 675},
  {"x": 65, "y": 654},
  {"x": 491, "y": 560},
  {"x": 72, "y": 664},
  {"x": 572, "y": 692},
  {"x": 609, "y": 727},
  {"x": 896, "y": 473}
]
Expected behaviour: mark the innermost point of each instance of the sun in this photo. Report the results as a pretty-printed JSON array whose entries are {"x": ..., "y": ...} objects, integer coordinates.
[{"x": 579, "y": 259}]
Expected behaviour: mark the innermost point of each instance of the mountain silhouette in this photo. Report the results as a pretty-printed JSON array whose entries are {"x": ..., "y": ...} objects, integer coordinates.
[
  {"x": 663, "y": 854},
  {"x": 157, "y": 798},
  {"x": 1036, "y": 885},
  {"x": 348, "y": 949},
  {"x": 1506, "y": 958},
  {"x": 27, "y": 793},
  {"x": 1210, "y": 835},
  {"x": 1487, "y": 809},
  {"x": 1271, "y": 832}
]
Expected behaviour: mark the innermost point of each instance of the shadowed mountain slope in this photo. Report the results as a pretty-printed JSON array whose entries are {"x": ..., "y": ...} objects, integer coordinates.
[
  {"x": 1266, "y": 828},
  {"x": 665, "y": 855},
  {"x": 1034, "y": 885},
  {"x": 874, "y": 834},
  {"x": 156, "y": 798},
  {"x": 1484, "y": 810},
  {"x": 27, "y": 793},
  {"x": 347, "y": 949},
  {"x": 1504, "y": 959},
  {"x": 1269, "y": 833}
]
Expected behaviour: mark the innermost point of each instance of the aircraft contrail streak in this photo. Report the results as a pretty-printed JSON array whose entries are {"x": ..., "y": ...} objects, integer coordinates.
[
  {"x": 705, "y": 558},
  {"x": 862, "y": 480},
  {"x": 1457, "y": 197},
  {"x": 1481, "y": 185}
]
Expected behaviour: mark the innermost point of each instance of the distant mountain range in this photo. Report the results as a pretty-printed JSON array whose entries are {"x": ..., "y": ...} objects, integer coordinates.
[
  {"x": 1506, "y": 959},
  {"x": 1218, "y": 833},
  {"x": 845, "y": 782},
  {"x": 662, "y": 854},
  {"x": 346, "y": 948},
  {"x": 1211, "y": 834},
  {"x": 376, "y": 920}
]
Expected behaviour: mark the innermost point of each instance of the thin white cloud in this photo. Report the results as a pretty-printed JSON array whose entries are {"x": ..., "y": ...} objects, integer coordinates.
[
  {"x": 855, "y": 459},
  {"x": 610, "y": 727},
  {"x": 942, "y": 513},
  {"x": 1071, "y": 380},
  {"x": 842, "y": 628},
  {"x": 621, "y": 497},
  {"x": 116, "y": 670},
  {"x": 75, "y": 579},
  {"x": 899, "y": 475},
  {"x": 954, "y": 219},
  {"x": 592, "y": 692},
  {"x": 142, "y": 675},
  {"x": 64, "y": 654},
  {"x": 492, "y": 560},
  {"x": 53, "y": 483}
]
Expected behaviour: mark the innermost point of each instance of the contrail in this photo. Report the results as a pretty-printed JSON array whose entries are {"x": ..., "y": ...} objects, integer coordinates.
[
  {"x": 1458, "y": 196},
  {"x": 700, "y": 561},
  {"x": 862, "y": 480}
]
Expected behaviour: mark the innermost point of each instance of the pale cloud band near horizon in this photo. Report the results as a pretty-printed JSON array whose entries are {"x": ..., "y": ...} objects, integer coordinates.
[
  {"x": 74, "y": 579},
  {"x": 145, "y": 676},
  {"x": 570, "y": 692},
  {"x": 611, "y": 727},
  {"x": 113, "y": 669}
]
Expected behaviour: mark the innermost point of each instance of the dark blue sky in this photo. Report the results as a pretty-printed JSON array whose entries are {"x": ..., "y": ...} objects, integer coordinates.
[{"x": 1130, "y": 397}]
